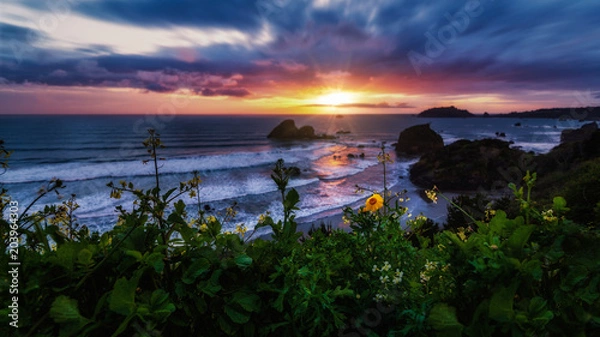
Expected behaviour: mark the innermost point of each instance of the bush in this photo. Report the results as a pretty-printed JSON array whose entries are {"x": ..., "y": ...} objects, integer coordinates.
[{"x": 162, "y": 271}]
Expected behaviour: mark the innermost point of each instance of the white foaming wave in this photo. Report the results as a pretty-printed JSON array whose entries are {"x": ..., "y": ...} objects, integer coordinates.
[
  {"x": 537, "y": 147},
  {"x": 98, "y": 205},
  {"x": 88, "y": 171}
]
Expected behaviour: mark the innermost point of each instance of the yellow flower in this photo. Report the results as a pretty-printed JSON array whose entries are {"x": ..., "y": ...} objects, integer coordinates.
[
  {"x": 241, "y": 229},
  {"x": 211, "y": 219},
  {"x": 374, "y": 203},
  {"x": 203, "y": 227},
  {"x": 432, "y": 195}
]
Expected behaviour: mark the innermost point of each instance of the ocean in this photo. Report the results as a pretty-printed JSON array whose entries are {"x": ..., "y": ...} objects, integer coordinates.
[{"x": 234, "y": 159}]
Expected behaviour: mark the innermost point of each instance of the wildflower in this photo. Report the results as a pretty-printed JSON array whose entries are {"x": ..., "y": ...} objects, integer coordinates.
[
  {"x": 398, "y": 276},
  {"x": 386, "y": 266},
  {"x": 384, "y": 279},
  {"x": 230, "y": 212},
  {"x": 211, "y": 219},
  {"x": 203, "y": 227},
  {"x": 549, "y": 216},
  {"x": 379, "y": 298},
  {"x": 461, "y": 234},
  {"x": 432, "y": 195},
  {"x": 346, "y": 220},
  {"x": 375, "y": 268},
  {"x": 241, "y": 229},
  {"x": 421, "y": 217},
  {"x": 383, "y": 158},
  {"x": 374, "y": 203},
  {"x": 262, "y": 218}
]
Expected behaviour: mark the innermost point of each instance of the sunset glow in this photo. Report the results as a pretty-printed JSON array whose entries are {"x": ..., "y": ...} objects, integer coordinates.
[
  {"x": 313, "y": 56},
  {"x": 336, "y": 98}
]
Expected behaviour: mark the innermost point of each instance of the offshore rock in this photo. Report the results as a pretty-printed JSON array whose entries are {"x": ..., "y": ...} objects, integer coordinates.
[{"x": 417, "y": 140}]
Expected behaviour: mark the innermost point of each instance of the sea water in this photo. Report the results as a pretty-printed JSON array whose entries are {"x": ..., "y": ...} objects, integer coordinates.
[{"x": 233, "y": 157}]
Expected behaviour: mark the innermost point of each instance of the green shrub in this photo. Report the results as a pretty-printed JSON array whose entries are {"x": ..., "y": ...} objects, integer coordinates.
[{"x": 165, "y": 271}]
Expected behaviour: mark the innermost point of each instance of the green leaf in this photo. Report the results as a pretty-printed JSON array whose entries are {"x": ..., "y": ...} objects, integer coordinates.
[
  {"x": 291, "y": 199},
  {"x": 248, "y": 301},
  {"x": 243, "y": 261},
  {"x": 135, "y": 254},
  {"x": 159, "y": 298},
  {"x": 226, "y": 327},
  {"x": 237, "y": 316},
  {"x": 211, "y": 286},
  {"x": 197, "y": 268},
  {"x": 443, "y": 319},
  {"x": 559, "y": 204},
  {"x": 501, "y": 304},
  {"x": 122, "y": 298},
  {"x": 575, "y": 275},
  {"x": 84, "y": 257},
  {"x": 155, "y": 260},
  {"x": 179, "y": 207},
  {"x": 519, "y": 238},
  {"x": 64, "y": 310}
]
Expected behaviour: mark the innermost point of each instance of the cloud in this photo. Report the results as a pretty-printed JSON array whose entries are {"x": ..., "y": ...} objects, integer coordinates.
[
  {"x": 383, "y": 105},
  {"x": 236, "y": 48},
  {"x": 58, "y": 73},
  {"x": 234, "y": 92},
  {"x": 288, "y": 65},
  {"x": 333, "y": 75},
  {"x": 239, "y": 14}
]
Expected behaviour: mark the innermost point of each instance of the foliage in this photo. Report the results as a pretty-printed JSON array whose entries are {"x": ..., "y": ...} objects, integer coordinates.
[{"x": 165, "y": 271}]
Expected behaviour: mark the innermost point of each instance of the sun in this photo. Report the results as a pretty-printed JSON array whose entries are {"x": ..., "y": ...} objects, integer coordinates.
[{"x": 336, "y": 98}]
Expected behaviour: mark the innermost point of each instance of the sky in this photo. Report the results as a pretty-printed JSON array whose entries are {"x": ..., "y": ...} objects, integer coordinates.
[{"x": 296, "y": 56}]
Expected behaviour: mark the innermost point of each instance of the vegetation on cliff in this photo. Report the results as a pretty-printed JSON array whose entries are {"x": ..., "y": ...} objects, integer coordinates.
[{"x": 170, "y": 270}]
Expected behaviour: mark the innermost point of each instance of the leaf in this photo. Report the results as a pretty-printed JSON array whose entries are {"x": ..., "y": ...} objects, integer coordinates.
[
  {"x": 226, "y": 326},
  {"x": 122, "y": 298},
  {"x": 243, "y": 261},
  {"x": 197, "y": 268},
  {"x": 237, "y": 316},
  {"x": 158, "y": 298},
  {"x": 291, "y": 199},
  {"x": 559, "y": 204},
  {"x": 155, "y": 260},
  {"x": 519, "y": 238},
  {"x": 84, "y": 257},
  {"x": 575, "y": 275},
  {"x": 501, "y": 304},
  {"x": 442, "y": 318},
  {"x": 64, "y": 310},
  {"x": 247, "y": 300},
  {"x": 135, "y": 254},
  {"x": 211, "y": 286}
]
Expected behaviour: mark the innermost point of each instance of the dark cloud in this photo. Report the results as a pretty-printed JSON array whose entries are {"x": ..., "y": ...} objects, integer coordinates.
[
  {"x": 239, "y": 92},
  {"x": 241, "y": 14},
  {"x": 489, "y": 46},
  {"x": 10, "y": 32}
]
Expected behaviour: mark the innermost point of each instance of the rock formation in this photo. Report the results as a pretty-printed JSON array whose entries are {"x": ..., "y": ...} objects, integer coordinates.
[{"x": 417, "y": 140}]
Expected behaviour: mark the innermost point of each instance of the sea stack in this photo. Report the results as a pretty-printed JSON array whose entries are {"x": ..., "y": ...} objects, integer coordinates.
[
  {"x": 287, "y": 130},
  {"x": 417, "y": 140}
]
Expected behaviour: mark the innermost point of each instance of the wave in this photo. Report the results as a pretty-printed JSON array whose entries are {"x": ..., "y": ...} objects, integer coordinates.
[{"x": 88, "y": 171}]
